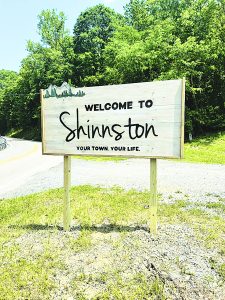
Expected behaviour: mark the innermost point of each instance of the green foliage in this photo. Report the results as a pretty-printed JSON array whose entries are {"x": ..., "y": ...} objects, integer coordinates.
[
  {"x": 154, "y": 40},
  {"x": 7, "y": 81},
  {"x": 51, "y": 27},
  {"x": 175, "y": 39},
  {"x": 51, "y": 62},
  {"x": 92, "y": 31}
]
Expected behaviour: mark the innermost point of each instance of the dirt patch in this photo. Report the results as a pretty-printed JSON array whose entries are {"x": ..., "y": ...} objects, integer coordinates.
[{"x": 175, "y": 257}]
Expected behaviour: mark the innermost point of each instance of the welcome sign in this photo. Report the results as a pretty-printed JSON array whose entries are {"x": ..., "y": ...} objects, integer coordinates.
[{"x": 131, "y": 120}]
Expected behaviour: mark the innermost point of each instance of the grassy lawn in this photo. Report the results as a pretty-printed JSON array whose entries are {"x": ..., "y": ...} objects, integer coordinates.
[
  {"x": 35, "y": 252},
  {"x": 102, "y": 158},
  {"x": 207, "y": 149}
]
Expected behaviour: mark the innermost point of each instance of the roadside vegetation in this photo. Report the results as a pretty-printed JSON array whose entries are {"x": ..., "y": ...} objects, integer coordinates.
[
  {"x": 102, "y": 158},
  {"x": 206, "y": 149},
  {"x": 109, "y": 251},
  {"x": 151, "y": 40}
]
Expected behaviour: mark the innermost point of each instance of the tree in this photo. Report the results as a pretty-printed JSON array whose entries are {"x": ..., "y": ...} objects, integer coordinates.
[
  {"x": 137, "y": 15},
  {"x": 143, "y": 14},
  {"x": 133, "y": 55},
  {"x": 175, "y": 39},
  {"x": 157, "y": 39},
  {"x": 51, "y": 27},
  {"x": 49, "y": 62},
  {"x": 92, "y": 31},
  {"x": 7, "y": 81}
]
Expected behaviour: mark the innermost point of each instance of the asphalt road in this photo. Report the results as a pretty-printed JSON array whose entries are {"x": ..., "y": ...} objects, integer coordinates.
[
  {"x": 24, "y": 170},
  {"x": 20, "y": 161}
]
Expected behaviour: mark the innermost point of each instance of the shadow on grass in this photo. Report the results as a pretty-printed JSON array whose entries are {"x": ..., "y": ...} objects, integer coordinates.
[{"x": 104, "y": 228}]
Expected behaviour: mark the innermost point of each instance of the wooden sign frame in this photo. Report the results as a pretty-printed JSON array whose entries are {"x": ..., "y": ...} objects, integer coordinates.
[
  {"x": 153, "y": 169},
  {"x": 164, "y": 117}
]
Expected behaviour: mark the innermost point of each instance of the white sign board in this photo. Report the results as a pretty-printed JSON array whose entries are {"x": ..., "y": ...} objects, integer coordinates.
[{"x": 135, "y": 120}]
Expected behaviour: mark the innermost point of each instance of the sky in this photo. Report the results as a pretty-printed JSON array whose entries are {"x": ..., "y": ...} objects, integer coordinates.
[{"x": 18, "y": 24}]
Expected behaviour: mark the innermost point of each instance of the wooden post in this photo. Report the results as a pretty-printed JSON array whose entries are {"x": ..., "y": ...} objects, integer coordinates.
[
  {"x": 182, "y": 118},
  {"x": 67, "y": 184},
  {"x": 153, "y": 195},
  {"x": 42, "y": 120}
]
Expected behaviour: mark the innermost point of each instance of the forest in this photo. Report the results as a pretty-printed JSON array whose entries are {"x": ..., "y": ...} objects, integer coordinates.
[{"x": 152, "y": 40}]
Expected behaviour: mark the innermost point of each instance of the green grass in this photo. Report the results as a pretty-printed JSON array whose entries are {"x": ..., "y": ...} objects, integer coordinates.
[
  {"x": 210, "y": 229},
  {"x": 220, "y": 206},
  {"x": 118, "y": 288},
  {"x": 22, "y": 278},
  {"x": 28, "y": 277},
  {"x": 206, "y": 149},
  {"x": 36, "y": 220},
  {"x": 101, "y": 158},
  {"x": 27, "y": 134}
]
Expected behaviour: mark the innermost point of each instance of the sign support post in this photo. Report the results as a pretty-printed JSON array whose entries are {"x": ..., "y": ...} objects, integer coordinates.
[
  {"x": 67, "y": 184},
  {"x": 142, "y": 120},
  {"x": 153, "y": 195}
]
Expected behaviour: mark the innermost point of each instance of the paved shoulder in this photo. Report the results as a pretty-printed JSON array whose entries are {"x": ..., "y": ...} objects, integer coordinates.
[
  {"x": 133, "y": 173},
  {"x": 20, "y": 161}
]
